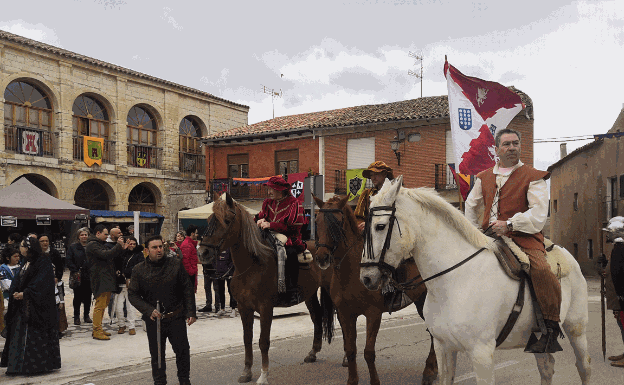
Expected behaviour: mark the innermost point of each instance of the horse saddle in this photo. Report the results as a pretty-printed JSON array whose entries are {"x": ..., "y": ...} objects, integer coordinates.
[{"x": 514, "y": 261}]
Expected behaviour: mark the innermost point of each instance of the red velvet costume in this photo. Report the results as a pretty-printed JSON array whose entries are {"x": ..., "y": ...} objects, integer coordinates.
[{"x": 286, "y": 217}]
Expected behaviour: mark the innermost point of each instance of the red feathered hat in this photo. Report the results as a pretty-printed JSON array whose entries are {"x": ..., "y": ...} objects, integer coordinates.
[{"x": 278, "y": 183}]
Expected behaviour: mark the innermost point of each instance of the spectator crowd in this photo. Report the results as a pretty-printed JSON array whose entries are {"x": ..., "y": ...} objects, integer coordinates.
[{"x": 114, "y": 273}]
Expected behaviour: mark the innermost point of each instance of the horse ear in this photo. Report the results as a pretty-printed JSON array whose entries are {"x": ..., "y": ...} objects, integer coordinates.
[
  {"x": 343, "y": 202},
  {"x": 319, "y": 202},
  {"x": 394, "y": 185},
  {"x": 229, "y": 200}
]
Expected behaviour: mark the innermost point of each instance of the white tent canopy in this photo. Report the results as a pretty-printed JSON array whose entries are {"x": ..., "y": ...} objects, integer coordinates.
[{"x": 203, "y": 212}]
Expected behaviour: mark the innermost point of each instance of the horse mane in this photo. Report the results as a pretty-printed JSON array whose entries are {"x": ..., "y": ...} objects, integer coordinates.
[
  {"x": 250, "y": 234},
  {"x": 430, "y": 200},
  {"x": 350, "y": 215}
]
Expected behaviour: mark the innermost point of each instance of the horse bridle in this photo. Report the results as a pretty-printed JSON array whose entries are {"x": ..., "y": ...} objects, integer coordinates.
[
  {"x": 368, "y": 250},
  {"x": 337, "y": 235},
  {"x": 369, "y": 254},
  {"x": 212, "y": 225}
]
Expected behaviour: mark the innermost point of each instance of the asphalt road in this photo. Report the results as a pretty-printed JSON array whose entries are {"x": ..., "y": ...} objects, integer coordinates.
[{"x": 402, "y": 347}]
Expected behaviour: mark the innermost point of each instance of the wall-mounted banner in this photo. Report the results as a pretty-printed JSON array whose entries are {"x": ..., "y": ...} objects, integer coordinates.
[
  {"x": 43, "y": 220},
  {"x": 30, "y": 142},
  {"x": 355, "y": 182},
  {"x": 8, "y": 221},
  {"x": 93, "y": 150}
]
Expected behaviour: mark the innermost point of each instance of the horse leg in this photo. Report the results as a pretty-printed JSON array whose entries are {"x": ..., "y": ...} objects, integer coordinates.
[
  {"x": 447, "y": 360},
  {"x": 314, "y": 308},
  {"x": 349, "y": 336},
  {"x": 546, "y": 367},
  {"x": 372, "y": 329},
  {"x": 247, "y": 318},
  {"x": 578, "y": 340},
  {"x": 482, "y": 357},
  {"x": 266, "y": 319},
  {"x": 431, "y": 367}
]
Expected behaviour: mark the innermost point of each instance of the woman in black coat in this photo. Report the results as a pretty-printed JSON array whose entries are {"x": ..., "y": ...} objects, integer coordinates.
[
  {"x": 32, "y": 344},
  {"x": 77, "y": 262}
]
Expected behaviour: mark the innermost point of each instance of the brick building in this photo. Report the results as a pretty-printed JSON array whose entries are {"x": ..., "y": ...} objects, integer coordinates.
[
  {"x": 330, "y": 142},
  {"x": 152, "y": 160},
  {"x": 586, "y": 190}
]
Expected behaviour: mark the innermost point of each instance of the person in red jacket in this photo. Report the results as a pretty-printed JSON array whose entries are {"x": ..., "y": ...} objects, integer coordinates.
[{"x": 189, "y": 253}]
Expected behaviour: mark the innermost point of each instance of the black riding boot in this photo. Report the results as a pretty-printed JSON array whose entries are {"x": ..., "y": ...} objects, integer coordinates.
[{"x": 548, "y": 342}]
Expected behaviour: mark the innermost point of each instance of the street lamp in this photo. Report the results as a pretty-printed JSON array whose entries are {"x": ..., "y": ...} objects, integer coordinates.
[{"x": 394, "y": 146}]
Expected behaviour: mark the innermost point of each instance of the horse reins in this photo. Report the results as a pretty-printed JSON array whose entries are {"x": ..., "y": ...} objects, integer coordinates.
[
  {"x": 212, "y": 225},
  {"x": 368, "y": 250},
  {"x": 337, "y": 234}
]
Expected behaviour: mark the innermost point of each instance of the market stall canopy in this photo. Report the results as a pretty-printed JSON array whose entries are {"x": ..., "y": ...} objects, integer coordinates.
[
  {"x": 24, "y": 200},
  {"x": 203, "y": 212}
]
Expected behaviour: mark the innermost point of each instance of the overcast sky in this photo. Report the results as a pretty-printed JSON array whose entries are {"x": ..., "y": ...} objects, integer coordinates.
[{"x": 567, "y": 56}]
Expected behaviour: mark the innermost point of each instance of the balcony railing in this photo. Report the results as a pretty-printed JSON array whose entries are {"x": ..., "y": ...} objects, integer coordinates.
[
  {"x": 237, "y": 191},
  {"x": 341, "y": 182},
  {"x": 444, "y": 179},
  {"x": 144, "y": 156},
  {"x": 108, "y": 151},
  {"x": 30, "y": 141},
  {"x": 192, "y": 163}
]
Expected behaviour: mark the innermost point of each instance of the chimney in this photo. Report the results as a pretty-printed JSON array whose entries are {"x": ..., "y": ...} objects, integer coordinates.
[{"x": 563, "y": 150}]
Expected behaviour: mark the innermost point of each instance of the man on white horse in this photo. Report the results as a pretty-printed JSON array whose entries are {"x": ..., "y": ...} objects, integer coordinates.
[
  {"x": 514, "y": 197},
  {"x": 377, "y": 172}
]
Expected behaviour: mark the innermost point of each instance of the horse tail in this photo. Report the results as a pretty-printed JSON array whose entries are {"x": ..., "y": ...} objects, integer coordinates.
[{"x": 328, "y": 311}]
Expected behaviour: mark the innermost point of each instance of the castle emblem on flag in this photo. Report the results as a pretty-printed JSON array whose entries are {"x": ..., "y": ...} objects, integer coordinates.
[
  {"x": 465, "y": 118},
  {"x": 297, "y": 188}
]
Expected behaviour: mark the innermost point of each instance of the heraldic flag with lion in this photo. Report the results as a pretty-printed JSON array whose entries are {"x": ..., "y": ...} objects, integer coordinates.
[{"x": 477, "y": 108}]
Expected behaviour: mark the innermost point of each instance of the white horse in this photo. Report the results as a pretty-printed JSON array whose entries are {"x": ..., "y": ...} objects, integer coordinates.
[{"x": 467, "y": 307}]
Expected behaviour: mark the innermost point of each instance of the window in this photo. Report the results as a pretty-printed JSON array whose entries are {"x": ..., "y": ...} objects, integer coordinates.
[
  {"x": 27, "y": 105},
  {"x": 360, "y": 152},
  {"x": 611, "y": 198},
  {"x": 190, "y": 135},
  {"x": 286, "y": 162},
  {"x": 141, "y": 127},
  {"x": 90, "y": 117},
  {"x": 576, "y": 251},
  {"x": 575, "y": 203},
  {"x": 555, "y": 206},
  {"x": 621, "y": 186},
  {"x": 238, "y": 166},
  {"x": 590, "y": 249}
]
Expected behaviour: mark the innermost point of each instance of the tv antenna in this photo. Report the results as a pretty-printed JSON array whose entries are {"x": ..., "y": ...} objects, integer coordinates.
[
  {"x": 274, "y": 94},
  {"x": 414, "y": 73}
]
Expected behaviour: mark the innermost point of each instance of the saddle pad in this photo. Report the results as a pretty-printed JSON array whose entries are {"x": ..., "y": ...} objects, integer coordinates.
[{"x": 555, "y": 256}]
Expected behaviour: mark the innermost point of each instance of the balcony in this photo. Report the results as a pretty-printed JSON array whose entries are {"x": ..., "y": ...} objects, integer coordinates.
[
  {"x": 444, "y": 179},
  {"x": 237, "y": 191},
  {"x": 192, "y": 164},
  {"x": 144, "y": 156},
  {"x": 108, "y": 152},
  {"x": 30, "y": 141}
]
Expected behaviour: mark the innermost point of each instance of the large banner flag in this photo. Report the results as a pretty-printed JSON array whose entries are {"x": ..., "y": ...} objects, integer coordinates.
[
  {"x": 465, "y": 182},
  {"x": 93, "y": 148},
  {"x": 355, "y": 182},
  {"x": 478, "y": 108}
]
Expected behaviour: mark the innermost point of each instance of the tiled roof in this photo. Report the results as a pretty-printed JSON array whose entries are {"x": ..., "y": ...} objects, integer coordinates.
[
  {"x": 430, "y": 107},
  {"x": 72, "y": 55}
]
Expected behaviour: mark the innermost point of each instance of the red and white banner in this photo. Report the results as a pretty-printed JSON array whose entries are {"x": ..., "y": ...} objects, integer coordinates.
[
  {"x": 478, "y": 108},
  {"x": 296, "y": 181}
]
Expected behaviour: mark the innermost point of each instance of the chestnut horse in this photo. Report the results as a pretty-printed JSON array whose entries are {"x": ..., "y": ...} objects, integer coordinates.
[
  {"x": 254, "y": 283},
  {"x": 339, "y": 246}
]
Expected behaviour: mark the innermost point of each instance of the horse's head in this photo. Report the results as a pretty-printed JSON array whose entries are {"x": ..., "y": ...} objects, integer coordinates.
[
  {"x": 331, "y": 220},
  {"x": 381, "y": 254},
  {"x": 222, "y": 230}
]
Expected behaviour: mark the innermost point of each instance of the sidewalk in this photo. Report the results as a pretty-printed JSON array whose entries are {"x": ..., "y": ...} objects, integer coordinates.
[{"x": 82, "y": 355}]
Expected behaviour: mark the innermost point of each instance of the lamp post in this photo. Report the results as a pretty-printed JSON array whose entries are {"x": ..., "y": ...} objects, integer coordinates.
[{"x": 394, "y": 146}]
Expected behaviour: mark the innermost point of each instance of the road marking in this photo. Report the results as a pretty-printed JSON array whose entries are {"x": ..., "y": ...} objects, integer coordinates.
[
  {"x": 496, "y": 367},
  {"x": 397, "y": 327}
]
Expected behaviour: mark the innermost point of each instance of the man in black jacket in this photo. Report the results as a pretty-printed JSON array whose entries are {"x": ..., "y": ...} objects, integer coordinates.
[
  {"x": 103, "y": 279},
  {"x": 164, "y": 280}
]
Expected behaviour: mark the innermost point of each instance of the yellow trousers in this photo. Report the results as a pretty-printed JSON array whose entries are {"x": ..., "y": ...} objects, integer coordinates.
[{"x": 101, "y": 303}]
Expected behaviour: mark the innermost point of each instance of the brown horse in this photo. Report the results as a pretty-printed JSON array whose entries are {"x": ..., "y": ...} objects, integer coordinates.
[
  {"x": 340, "y": 245},
  {"x": 254, "y": 283}
]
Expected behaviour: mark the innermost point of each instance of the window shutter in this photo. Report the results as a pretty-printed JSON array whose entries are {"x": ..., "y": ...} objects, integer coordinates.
[{"x": 360, "y": 152}]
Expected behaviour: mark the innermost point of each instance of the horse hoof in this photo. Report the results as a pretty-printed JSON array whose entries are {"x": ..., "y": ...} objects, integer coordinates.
[
  {"x": 345, "y": 362},
  {"x": 428, "y": 380},
  {"x": 244, "y": 378},
  {"x": 310, "y": 358}
]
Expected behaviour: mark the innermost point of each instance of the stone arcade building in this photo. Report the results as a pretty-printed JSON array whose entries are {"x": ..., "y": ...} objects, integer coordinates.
[{"x": 152, "y": 158}]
